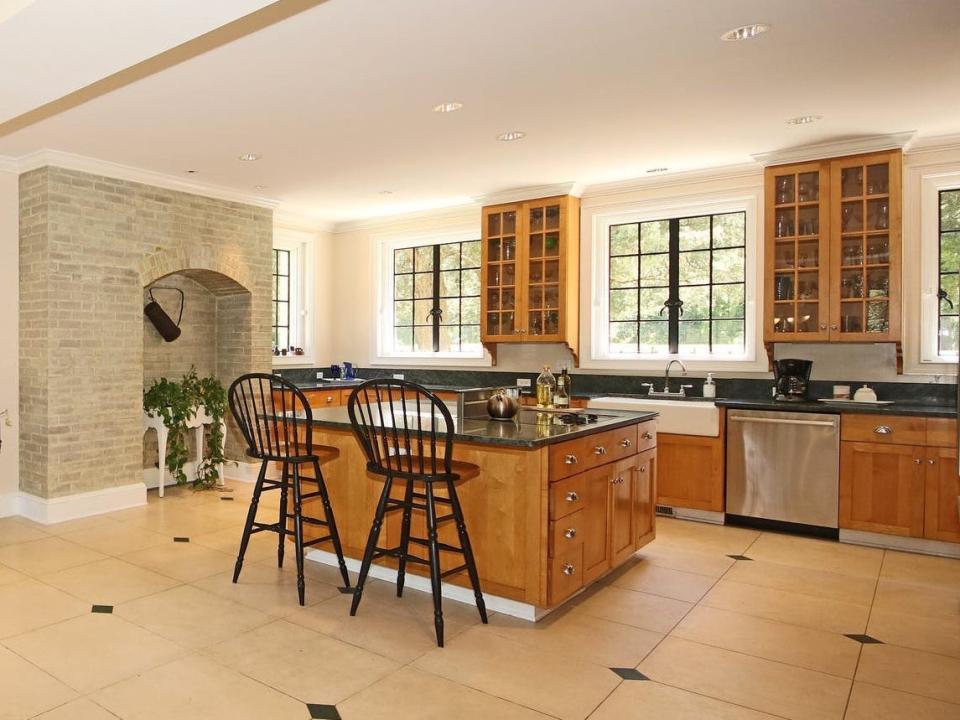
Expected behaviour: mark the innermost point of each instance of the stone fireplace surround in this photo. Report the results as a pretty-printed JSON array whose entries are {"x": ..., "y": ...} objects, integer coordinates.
[{"x": 89, "y": 246}]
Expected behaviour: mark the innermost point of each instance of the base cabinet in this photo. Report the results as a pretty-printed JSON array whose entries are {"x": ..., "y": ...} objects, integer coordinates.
[
  {"x": 941, "y": 518},
  {"x": 692, "y": 471},
  {"x": 881, "y": 488}
]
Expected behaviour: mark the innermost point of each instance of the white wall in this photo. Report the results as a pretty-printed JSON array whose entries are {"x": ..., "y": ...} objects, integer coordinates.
[
  {"x": 9, "y": 349},
  {"x": 349, "y": 271}
]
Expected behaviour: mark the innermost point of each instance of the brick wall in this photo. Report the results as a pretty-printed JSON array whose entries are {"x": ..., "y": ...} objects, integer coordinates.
[{"x": 89, "y": 247}]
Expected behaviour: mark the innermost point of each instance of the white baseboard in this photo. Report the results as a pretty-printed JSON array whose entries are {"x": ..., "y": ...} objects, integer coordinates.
[
  {"x": 494, "y": 603},
  {"x": 241, "y": 471},
  {"x": 71, "y": 507},
  {"x": 898, "y": 542},
  {"x": 9, "y": 504}
]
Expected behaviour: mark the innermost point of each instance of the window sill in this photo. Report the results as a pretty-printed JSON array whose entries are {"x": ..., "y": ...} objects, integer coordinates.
[
  {"x": 704, "y": 364},
  {"x": 292, "y": 361}
]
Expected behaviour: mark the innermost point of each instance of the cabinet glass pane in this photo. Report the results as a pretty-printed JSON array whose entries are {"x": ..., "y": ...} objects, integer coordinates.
[
  {"x": 878, "y": 316},
  {"x": 784, "y": 256},
  {"x": 551, "y": 322},
  {"x": 878, "y": 250},
  {"x": 851, "y": 252},
  {"x": 851, "y": 284},
  {"x": 808, "y": 254},
  {"x": 851, "y": 317},
  {"x": 551, "y": 296},
  {"x": 851, "y": 182},
  {"x": 510, "y": 223},
  {"x": 808, "y": 187},
  {"x": 878, "y": 282},
  {"x": 809, "y": 221},
  {"x": 509, "y": 274},
  {"x": 553, "y": 217},
  {"x": 508, "y": 299},
  {"x": 808, "y": 285},
  {"x": 783, "y": 317},
  {"x": 551, "y": 244},
  {"x": 535, "y": 324},
  {"x": 493, "y": 249},
  {"x": 878, "y": 179},
  {"x": 808, "y": 317},
  {"x": 785, "y": 222},
  {"x": 493, "y": 299},
  {"x": 783, "y": 286},
  {"x": 536, "y": 219},
  {"x": 493, "y": 323},
  {"x": 509, "y": 247},
  {"x": 551, "y": 271},
  {"x": 535, "y": 297},
  {"x": 536, "y": 271},
  {"x": 878, "y": 214},
  {"x": 493, "y": 224},
  {"x": 851, "y": 216},
  {"x": 785, "y": 189},
  {"x": 506, "y": 323},
  {"x": 536, "y": 245}
]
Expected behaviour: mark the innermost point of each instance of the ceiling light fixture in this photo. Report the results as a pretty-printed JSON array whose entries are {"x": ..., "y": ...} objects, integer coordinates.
[
  {"x": 511, "y": 135},
  {"x": 447, "y": 107},
  {"x": 744, "y": 32},
  {"x": 386, "y": 192},
  {"x": 259, "y": 187},
  {"x": 804, "y": 119},
  {"x": 248, "y": 157},
  {"x": 191, "y": 172},
  {"x": 658, "y": 170}
]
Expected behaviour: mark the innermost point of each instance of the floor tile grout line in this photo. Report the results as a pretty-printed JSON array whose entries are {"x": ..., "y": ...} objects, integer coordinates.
[
  {"x": 762, "y": 617},
  {"x": 908, "y": 692},
  {"x": 866, "y": 628}
]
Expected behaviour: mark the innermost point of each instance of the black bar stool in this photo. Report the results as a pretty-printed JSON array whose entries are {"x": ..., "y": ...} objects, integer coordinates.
[
  {"x": 269, "y": 411},
  {"x": 406, "y": 432}
]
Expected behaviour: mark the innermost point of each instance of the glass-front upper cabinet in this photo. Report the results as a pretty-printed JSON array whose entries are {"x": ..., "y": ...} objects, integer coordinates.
[
  {"x": 865, "y": 225},
  {"x": 530, "y": 272},
  {"x": 797, "y": 252}
]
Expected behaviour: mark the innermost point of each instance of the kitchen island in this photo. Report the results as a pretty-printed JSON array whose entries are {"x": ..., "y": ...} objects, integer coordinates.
[{"x": 553, "y": 508}]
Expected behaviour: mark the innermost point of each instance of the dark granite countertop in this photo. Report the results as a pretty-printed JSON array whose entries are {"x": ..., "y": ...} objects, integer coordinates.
[
  {"x": 523, "y": 431},
  {"x": 897, "y": 408},
  {"x": 341, "y": 384}
]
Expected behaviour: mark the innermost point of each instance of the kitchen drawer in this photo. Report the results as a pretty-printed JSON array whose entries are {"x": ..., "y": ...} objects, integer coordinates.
[
  {"x": 567, "y": 496},
  {"x": 646, "y": 435},
  {"x": 566, "y": 533},
  {"x": 323, "y": 398},
  {"x": 591, "y": 451},
  {"x": 566, "y": 575},
  {"x": 941, "y": 432},
  {"x": 895, "y": 429}
]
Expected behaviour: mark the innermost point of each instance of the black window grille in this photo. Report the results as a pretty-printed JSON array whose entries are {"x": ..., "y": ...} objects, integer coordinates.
[
  {"x": 678, "y": 286},
  {"x": 281, "y": 299},
  {"x": 436, "y": 298},
  {"x": 948, "y": 320}
]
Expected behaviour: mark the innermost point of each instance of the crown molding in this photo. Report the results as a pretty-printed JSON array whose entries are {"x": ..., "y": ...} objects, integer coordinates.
[
  {"x": 9, "y": 165},
  {"x": 437, "y": 218},
  {"x": 530, "y": 192},
  {"x": 81, "y": 163},
  {"x": 292, "y": 220},
  {"x": 836, "y": 148},
  {"x": 935, "y": 143},
  {"x": 667, "y": 180}
]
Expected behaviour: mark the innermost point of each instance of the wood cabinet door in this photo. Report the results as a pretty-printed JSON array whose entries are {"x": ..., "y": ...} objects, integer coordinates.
[
  {"x": 623, "y": 486},
  {"x": 941, "y": 518},
  {"x": 881, "y": 488},
  {"x": 596, "y": 521},
  {"x": 646, "y": 482},
  {"x": 796, "y": 252},
  {"x": 692, "y": 473},
  {"x": 500, "y": 273},
  {"x": 865, "y": 248}
]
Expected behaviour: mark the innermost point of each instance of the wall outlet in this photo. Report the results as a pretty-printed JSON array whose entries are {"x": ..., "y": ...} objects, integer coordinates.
[
  {"x": 523, "y": 382},
  {"x": 319, "y": 375},
  {"x": 398, "y": 376}
]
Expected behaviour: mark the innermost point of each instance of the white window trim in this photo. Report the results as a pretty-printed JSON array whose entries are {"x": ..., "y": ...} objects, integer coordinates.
[
  {"x": 597, "y": 312},
  {"x": 930, "y": 187},
  {"x": 300, "y": 244},
  {"x": 382, "y": 350}
]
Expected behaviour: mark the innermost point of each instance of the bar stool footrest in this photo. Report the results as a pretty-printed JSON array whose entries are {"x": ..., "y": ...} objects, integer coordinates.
[
  {"x": 453, "y": 571},
  {"x": 442, "y": 546}
]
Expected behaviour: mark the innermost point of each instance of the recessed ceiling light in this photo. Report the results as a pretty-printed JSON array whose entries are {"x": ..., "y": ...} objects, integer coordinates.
[
  {"x": 745, "y": 32},
  {"x": 248, "y": 157},
  {"x": 259, "y": 187},
  {"x": 511, "y": 135},
  {"x": 386, "y": 192},
  {"x": 658, "y": 170},
  {"x": 191, "y": 172},
  {"x": 447, "y": 107},
  {"x": 804, "y": 119}
]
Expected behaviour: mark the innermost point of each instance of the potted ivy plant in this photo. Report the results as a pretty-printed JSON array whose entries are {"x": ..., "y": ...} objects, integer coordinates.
[{"x": 176, "y": 403}]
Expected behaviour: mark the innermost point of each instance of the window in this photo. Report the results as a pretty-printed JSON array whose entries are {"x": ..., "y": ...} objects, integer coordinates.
[
  {"x": 281, "y": 299},
  {"x": 677, "y": 286},
  {"x": 436, "y": 298},
  {"x": 948, "y": 293}
]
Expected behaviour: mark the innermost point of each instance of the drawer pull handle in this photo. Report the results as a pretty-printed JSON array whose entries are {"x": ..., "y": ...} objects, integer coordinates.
[
  {"x": 570, "y": 460},
  {"x": 568, "y": 569},
  {"x": 883, "y": 430},
  {"x": 617, "y": 480},
  {"x": 647, "y": 435},
  {"x": 599, "y": 450},
  {"x": 570, "y": 533},
  {"x": 625, "y": 443},
  {"x": 329, "y": 398},
  {"x": 572, "y": 496}
]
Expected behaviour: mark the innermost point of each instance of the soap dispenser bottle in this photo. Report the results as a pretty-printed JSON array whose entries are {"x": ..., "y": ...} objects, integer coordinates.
[{"x": 709, "y": 387}]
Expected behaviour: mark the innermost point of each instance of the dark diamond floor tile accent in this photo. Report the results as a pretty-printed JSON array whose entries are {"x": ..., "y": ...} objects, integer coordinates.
[
  {"x": 740, "y": 557},
  {"x": 181, "y": 539},
  {"x": 865, "y": 639},
  {"x": 323, "y": 712},
  {"x": 105, "y": 609},
  {"x": 227, "y": 497},
  {"x": 630, "y": 674}
]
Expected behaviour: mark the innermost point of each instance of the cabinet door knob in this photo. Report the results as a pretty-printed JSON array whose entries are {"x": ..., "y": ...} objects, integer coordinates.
[
  {"x": 643, "y": 468},
  {"x": 647, "y": 435},
  {"x": 932, "y": 461},
  {"x": 599, "y": 450},
  {"x": 625, "y": 443},
  {"x": 570, "y": 533},
  {"x": 823, "y": 326},
  {"x": 883, "y": 430},
  {"x": 617, "y": 480},
  {"x": 834, "y": 327},
  {"x": 572, "y": 496},
  {"x": 917, "y": 461},
  {"x": 568, "y": 569},
  {"x": 570, "y": 460}
]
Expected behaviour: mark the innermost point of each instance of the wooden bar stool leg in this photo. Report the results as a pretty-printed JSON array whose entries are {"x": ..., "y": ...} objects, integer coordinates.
[
  {"x": 331, "y": 522},
  {"x": 282, "y": 522},
  {"x": 404, "y": 537},
  {"x": 371, "y": 544},
  {"x": 467, "y": 551},
  {"x": 434, "y": 564},
  {"x": 298, "y": 530},
  {"x": 251, "y": 516}
]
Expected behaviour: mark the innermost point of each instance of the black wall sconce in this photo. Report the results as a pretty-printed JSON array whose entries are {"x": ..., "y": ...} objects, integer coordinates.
[{"x": 168, "y": 329}]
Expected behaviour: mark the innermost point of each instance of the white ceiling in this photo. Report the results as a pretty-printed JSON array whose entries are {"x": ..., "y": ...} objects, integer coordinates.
[{"x": 338, "y": 98}]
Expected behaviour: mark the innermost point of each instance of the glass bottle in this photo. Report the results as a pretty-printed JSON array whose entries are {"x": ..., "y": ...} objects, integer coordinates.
[
  {"x": 561, "y": 398},
  {"x": 546, "y": 386}
]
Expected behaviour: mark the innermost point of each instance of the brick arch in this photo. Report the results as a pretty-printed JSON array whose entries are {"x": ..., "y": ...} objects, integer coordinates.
[{"x": 201, "y": 262}]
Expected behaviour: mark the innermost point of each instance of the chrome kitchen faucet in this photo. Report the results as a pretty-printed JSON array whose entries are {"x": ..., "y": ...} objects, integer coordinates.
[{"x": 682, "y": 392}]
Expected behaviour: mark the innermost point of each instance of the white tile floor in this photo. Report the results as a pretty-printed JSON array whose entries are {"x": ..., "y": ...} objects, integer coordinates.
[{"x": 715, "y": 637}]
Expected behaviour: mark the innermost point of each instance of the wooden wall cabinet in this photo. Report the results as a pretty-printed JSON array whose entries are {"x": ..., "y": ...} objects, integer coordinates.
[
  {"x": 833, "y": 250},
  {"x": 898, "y": 476},
  {"x": 530, "y": 272}
]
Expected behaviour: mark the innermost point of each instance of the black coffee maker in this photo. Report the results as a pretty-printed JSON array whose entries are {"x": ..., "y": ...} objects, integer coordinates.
[{"x": 792, "y": 378}]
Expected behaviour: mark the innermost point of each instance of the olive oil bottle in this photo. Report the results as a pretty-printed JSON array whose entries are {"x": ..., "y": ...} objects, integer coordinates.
[{"x": 546, "y": 386}]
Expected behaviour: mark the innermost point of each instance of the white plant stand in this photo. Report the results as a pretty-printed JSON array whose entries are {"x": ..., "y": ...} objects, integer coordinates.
[{"x": 197, "y": 421}]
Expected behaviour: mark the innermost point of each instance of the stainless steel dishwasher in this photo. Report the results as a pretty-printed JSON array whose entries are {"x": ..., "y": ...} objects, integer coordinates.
[{"x": 783, "y": 467}]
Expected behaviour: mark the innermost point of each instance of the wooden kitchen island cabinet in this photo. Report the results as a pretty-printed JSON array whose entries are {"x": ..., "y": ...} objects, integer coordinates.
[{"x": 552, "y": 509}]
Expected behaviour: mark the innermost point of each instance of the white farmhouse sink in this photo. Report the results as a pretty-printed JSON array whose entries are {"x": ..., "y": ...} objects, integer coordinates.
[{"x": 681, "y": 417}]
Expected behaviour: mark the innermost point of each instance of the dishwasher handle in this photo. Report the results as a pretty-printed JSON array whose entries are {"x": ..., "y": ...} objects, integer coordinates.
[{"x": 782, "y": 421}]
